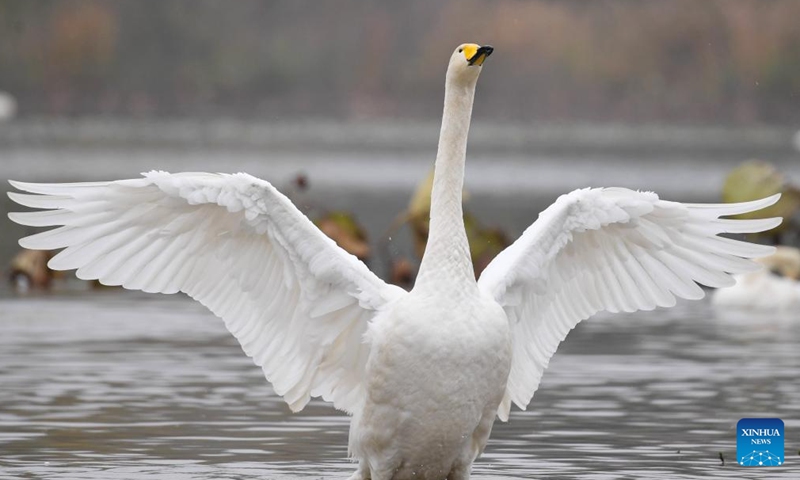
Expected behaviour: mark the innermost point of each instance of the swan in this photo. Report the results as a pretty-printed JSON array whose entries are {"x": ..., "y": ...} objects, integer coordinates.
[
  {"x": 775, "y": 288},
  {"x": 424, "y": 373}
]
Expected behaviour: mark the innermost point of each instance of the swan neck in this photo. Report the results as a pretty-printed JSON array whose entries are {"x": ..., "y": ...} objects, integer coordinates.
[{"x": 447, "y": 257}]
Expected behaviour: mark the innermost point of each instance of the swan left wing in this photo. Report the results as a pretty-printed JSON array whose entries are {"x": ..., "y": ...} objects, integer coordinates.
[
  {"x": 610, "y": 249},
  {"x": 297, "y": 303}
]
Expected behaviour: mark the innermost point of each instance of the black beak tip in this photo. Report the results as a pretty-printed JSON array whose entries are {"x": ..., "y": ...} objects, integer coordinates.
[{"x": 481, "y": 53}]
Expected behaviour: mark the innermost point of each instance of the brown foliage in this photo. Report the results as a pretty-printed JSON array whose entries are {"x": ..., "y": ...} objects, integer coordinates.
[{"x": 677, "y": 60}]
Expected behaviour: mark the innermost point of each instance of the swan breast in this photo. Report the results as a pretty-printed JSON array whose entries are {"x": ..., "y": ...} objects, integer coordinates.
[{"x": 436, "y": 368}]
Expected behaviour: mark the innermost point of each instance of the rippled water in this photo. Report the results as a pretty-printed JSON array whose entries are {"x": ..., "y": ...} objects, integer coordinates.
[{"x": 122, "y": 385}]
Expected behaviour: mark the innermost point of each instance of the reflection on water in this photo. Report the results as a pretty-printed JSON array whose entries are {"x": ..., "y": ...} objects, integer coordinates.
[{"x": 124, "y": 385}]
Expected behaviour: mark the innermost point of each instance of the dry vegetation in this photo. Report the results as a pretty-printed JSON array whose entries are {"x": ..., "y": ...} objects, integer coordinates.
[{"x": 723, "y": 61}]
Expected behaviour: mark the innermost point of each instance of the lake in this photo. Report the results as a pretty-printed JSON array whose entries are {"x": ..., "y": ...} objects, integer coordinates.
[
  {"x": 115, "y": 384},
  {"x": 112, "y": 384},
  {"x": 374, "y": 179}
]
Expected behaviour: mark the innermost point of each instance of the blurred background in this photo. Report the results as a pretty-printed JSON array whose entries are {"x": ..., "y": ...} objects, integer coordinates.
[
  {"x": 338, "y": 104},
  {"x": 720, "y": 62},
  {"x": 665, "y": 96}
]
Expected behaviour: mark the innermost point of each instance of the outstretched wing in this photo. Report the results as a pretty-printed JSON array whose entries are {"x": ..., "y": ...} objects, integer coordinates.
[
  {"x": 298, "y": 304},
  {"x": 610, "y": 249}
]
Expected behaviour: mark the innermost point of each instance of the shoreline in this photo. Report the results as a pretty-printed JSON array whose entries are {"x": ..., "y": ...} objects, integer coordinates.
[{"x": 400, "y": 136}]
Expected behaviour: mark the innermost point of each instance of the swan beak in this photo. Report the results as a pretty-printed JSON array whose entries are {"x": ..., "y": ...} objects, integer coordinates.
[{"x": 480, "y": 55}]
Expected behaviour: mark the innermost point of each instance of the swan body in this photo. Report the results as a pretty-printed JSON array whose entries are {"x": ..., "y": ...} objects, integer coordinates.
[
  {"x": 419, "y": 421},
  {"x": 773, "y": 289},
  {"x": 423, "y": 373}
]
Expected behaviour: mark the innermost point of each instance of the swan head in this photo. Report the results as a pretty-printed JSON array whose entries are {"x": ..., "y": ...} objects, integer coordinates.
[{"x": 466, "y": 63}]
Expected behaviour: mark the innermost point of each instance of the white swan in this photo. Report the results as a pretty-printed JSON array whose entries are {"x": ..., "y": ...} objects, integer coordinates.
[
  {"x": 425, "y": 372},
  {"x": 774, "y": 289}
]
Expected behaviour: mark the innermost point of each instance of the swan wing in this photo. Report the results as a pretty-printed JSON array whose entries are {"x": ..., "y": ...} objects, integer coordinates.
[
  {"x": 297, "y": 303},
  {"x": 610, "y": 249}
]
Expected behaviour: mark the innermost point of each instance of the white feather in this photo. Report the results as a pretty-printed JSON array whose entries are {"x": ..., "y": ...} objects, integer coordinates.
[
  {"x": 201, "y": 234},
  {"x": 614, "y": 250}
]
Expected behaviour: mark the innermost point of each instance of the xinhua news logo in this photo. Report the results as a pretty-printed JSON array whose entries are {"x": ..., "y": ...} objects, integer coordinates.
[{"x": 759, "y": 442}]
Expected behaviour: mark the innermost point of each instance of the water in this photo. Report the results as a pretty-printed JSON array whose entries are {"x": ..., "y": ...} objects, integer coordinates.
[
  {"x": 99, "y": 385},
  {"x": 506, "y": 189},
  {"x": 113, "y": 384}
]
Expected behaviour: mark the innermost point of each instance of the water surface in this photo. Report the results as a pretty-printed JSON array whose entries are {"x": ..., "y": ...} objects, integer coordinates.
[
  {"x": 506, "y": 189},
  {"x": 114, "y": 384}
]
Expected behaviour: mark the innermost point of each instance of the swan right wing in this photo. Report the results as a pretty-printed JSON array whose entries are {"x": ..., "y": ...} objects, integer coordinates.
[
  {"x": 610, "y": 249},
  {"x": 297, "y": 303}
]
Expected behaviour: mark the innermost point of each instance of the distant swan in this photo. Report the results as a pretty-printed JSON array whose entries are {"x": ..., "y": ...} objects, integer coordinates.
[
  {"x": 423, "y": 373},
  {"x": 773, "y": 289}
]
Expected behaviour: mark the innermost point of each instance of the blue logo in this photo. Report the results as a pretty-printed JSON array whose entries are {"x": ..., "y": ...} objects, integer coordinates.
[{"x": 759, "y": 442}]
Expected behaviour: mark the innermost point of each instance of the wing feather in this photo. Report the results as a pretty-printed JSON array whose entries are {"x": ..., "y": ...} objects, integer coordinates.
[
  {"x": 616, "y": 250},
  {"x": 298, "y": 304}
]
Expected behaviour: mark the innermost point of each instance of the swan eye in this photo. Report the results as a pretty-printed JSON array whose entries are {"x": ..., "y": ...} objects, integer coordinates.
[{"x": 460, "y": 50}]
